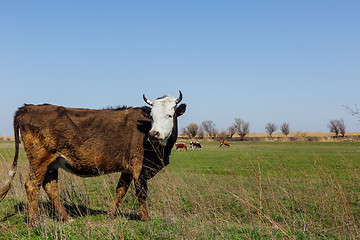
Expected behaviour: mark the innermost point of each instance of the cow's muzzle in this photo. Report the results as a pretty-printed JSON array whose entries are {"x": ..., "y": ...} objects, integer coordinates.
[{"x": 154, "y": 135}]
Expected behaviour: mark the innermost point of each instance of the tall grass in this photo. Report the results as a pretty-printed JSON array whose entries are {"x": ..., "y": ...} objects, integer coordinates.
[{"x": 250, "y": 191}]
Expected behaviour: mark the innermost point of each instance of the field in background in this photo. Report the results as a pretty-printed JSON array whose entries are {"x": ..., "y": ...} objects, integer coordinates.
[
  {"x": 279, "y": 137},
  {"x": 251, "y": 190},
  {"x": 299, "y": 133}
]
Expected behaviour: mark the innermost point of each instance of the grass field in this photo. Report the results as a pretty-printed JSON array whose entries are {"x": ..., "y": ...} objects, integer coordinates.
[{"x": 253, "y": 190}]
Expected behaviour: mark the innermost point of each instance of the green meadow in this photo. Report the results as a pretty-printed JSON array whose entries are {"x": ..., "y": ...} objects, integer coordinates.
[{"x": 253, "y": 190}]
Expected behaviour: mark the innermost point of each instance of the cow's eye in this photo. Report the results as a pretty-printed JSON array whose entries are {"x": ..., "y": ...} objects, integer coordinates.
[{"x": 170, "y": 116}]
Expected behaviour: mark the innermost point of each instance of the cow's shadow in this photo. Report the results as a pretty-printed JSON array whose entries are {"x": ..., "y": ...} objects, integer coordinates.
[{"x": 74, "y": 210}]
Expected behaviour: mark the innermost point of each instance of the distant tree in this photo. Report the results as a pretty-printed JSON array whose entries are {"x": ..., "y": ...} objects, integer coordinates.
[
  {"x": 209, "y": 127},
  {"x": 285, "y": 129},
  {"x": 241, "y": 127},
  {"x": 333, "y": 127},
  {"x": 337, "y": 126},
  {"x": 184, "y": 131},
  {"x": 192, "y": 128},
  {"x": 222, "y": 135},
  {"x": 270, "y": 128},
  {"x": 201, "y": 132},
  {"x": 215, "y": 133},
  {"x": 232, "y": 131},
  {"x": 341, "y": 126}
]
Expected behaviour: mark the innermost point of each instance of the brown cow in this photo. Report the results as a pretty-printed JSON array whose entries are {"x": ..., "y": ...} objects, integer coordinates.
[
  {"x": 134, "y": 141},
  {"x": 225, "y": 143},
  {"x": 181, "y": 145}
]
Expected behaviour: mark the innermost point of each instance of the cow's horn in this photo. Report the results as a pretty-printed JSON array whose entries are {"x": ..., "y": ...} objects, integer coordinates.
[
  {"x": 147, "y": 100},
  {"x": 180, "y": 98}
]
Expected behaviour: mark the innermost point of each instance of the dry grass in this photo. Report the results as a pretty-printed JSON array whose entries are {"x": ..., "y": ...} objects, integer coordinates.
[
  {"x": 244, "y": 193},
  {"x": 279, "y": 137}
]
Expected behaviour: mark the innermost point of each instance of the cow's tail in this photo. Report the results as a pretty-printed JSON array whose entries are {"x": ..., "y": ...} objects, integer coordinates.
[{"x": 6, "y": 188}]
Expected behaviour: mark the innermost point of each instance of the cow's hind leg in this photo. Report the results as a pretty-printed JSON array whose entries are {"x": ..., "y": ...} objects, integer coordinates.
[
  {"x": 32, "y": 187},
  {"x": 141, "y": 194},
  {"x": 121, "y": 189},
  {"x": 33, "y": 183},
  {"x": 50, "y": 185}
]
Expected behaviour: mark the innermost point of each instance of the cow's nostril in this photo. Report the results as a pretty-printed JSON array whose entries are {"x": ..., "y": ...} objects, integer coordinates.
[{"x": 154, "y": 134}]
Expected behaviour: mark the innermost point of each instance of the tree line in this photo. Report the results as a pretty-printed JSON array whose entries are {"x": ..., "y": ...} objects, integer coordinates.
[{"x": 242, "y": 128}]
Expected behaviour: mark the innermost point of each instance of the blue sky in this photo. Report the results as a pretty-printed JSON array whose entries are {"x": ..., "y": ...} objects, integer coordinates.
[{"x": 262, "y": 61}]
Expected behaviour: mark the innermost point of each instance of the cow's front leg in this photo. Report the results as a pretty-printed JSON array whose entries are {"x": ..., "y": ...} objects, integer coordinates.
[
  {"x": 141, "y": 194},
  {"x": 121, "y": 189}
]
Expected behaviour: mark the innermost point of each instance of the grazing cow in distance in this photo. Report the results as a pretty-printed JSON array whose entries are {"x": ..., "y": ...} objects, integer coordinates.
[
  {"x": 197, "y": 145},
  {"x": 224, "y": 143},
  {"x": 134, "y": 141},
  {"x": 181, "y": 145}
]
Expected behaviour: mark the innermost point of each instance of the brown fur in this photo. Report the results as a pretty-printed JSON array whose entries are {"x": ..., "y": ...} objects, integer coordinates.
[
  {"x": 225, "y": 143},
  {"x": 181, "y": 145},
  {"x": 93, "y": 142}
]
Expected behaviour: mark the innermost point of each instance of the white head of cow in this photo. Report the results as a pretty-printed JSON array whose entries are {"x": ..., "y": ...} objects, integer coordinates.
[{"x": 163, "y": 112}]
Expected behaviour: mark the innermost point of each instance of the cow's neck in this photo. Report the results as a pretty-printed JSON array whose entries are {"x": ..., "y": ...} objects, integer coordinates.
[{"x": 171, "y": 142}]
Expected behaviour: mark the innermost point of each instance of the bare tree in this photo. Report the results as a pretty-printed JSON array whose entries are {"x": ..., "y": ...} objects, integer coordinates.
[
  {"x": 241, "y": 127},
  {"x": 201, "y": 132},
  {"x": 337, "y": 126},
  {"x": 270, "y": 128},
  {"x": 184, "y": 131},
  {"x": 215, "y": 133},
  {"x": 231, "y": 131},
  {"x": 341, "y": 126},
  {"x": 285, "y": 128},
  {"x": 333, "y": 127},
  {"x": 209, "y": 127},
  {"x": 192, "y": 128}
]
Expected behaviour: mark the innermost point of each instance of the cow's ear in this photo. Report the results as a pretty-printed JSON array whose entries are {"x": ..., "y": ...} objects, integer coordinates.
[{"x": 180, "y": 110}]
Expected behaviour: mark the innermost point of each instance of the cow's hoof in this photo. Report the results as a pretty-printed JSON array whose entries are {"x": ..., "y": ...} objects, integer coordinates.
[
  {"x": 145, "y": 218},
  {"x": 66, "y": 218}
]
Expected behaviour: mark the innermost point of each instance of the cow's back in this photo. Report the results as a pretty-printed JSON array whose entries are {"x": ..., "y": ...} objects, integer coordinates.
[{"x": 91, "y": 140}]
